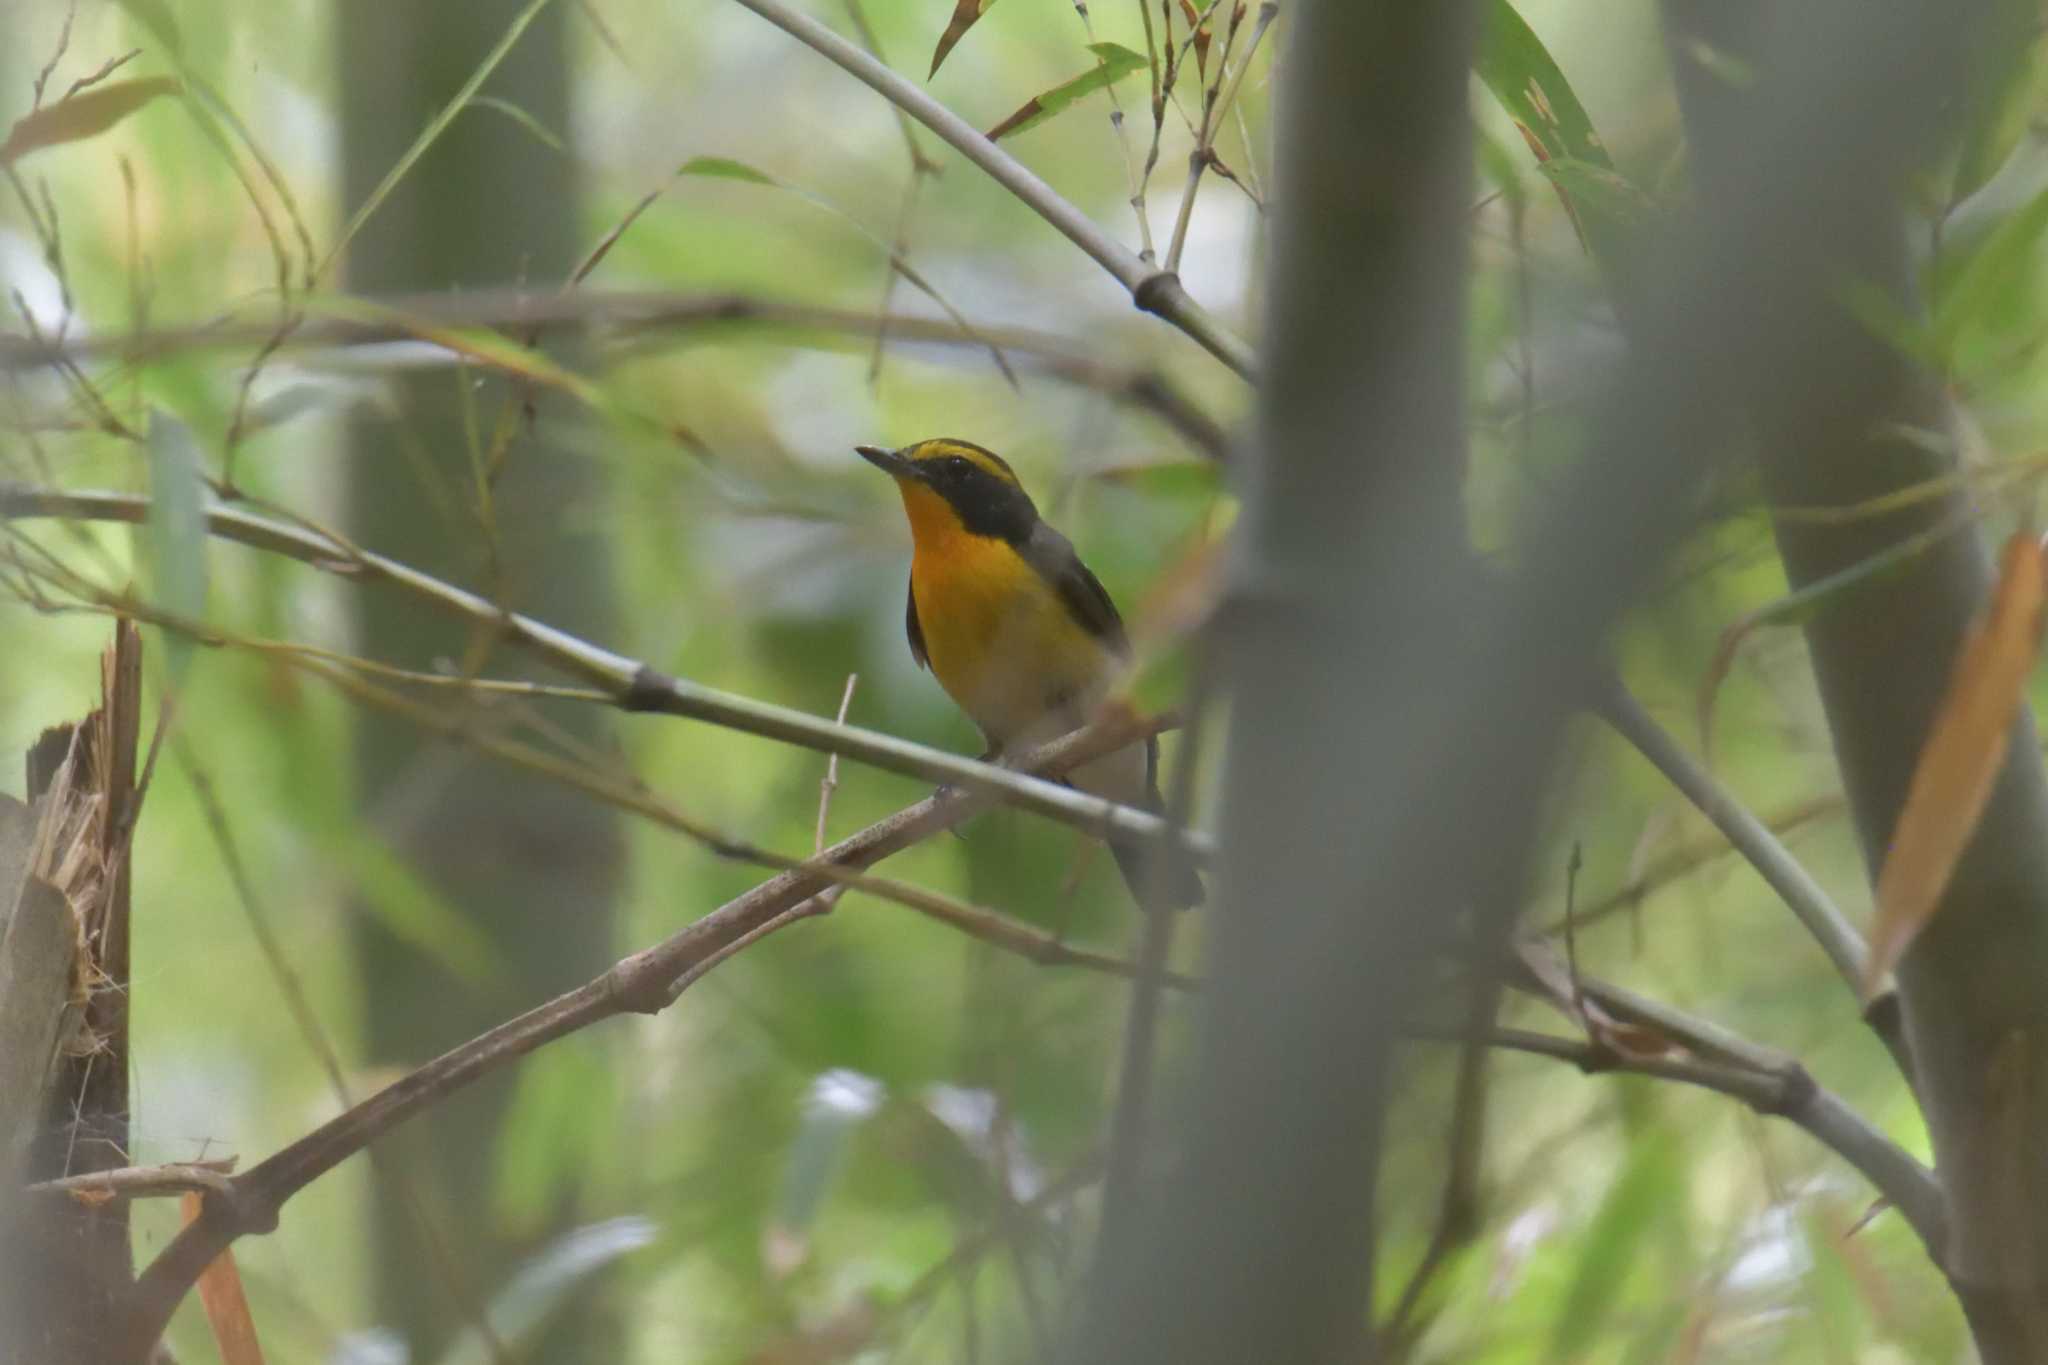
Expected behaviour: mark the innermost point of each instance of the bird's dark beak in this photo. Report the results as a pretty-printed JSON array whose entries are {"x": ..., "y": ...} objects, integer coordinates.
[{"x": 888, "y": 461}]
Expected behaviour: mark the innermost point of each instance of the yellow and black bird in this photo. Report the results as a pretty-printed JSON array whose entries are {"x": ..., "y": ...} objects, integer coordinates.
[{"x": 1015, "y": 627}]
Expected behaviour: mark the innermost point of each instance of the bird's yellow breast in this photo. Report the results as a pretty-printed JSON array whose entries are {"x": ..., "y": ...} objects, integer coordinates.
[{"x": 1000, "y": 639}]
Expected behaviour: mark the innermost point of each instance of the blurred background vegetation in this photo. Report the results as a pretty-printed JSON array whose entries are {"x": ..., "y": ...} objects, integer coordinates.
[{"x": 872, "y": 1133}]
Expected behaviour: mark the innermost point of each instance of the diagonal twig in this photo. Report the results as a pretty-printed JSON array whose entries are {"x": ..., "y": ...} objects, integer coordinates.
[
  {"x": 1789, "y": 1093},
  {"x": 1153, "y": 289},
  {"x": 645, "y": 982},
  {"x": 1822, "y": 919},
  {"x": 632, "y": 685}
]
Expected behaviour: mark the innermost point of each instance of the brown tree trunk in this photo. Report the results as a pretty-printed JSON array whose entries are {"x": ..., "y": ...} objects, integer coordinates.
[
  {"x": 1971, "y": 988},
  {"x": 67, "y": 1264}
]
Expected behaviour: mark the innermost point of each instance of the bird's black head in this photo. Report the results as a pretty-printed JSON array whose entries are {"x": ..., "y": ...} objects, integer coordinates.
[{"x": 980, "y": 488}]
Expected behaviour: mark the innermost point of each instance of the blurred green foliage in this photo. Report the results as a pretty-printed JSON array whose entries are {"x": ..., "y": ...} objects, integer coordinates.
[{"x": 828, "y": 1118}]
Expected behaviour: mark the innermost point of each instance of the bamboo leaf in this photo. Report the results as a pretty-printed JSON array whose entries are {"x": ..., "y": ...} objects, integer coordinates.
[
  {"x": 725, "y": 168},
  {"x": 1526, "y": 80},
  {"x": 1112, "y": 64},
  {"x": 2001, "y": 100},
  {"x": 965, "y": 14},
  {"x": 176, "y": 531},
  {"x": 86, "y": 114},
  {"x": 1990, "y": 277},
  {"x": 1961, "y": 759},
  {"x": 540, "y": 131},
  {"x": 432, "y": 132},
  {"x": 1600, "y": 192},
  {"x": 1198, "y": 24},
  {"x": 1530, "y": 87}
]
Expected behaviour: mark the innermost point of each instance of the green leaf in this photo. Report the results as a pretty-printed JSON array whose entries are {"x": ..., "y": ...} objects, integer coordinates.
[
  {"x": 2001, "y": 100},
  {"x": 725, "y": 168},
  {"x": 86, "y": 114},
  {"x": 518, "y": 1310},
  {"x": 1526, "y": 81},
  {"x": 432, "y": 132},
  {"x": 1988, "y": 278},
  {"x": 2001, "y": 107},
  {"x": 176, "y": 530},
  {"x": 1601, "y": 193},
  {"x": 525, "y": 120},
  {"x": 1112, "y": 64},
  {"x": 1608, "y": 1250},
  {"x": 965, "y": 13},
  {"x": 1514, "y": 65}
]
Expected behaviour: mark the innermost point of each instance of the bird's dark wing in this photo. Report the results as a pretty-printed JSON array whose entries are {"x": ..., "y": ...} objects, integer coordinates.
[
  {"x": 1052, "y": 554},
  {"x": 913, "y": 629}
]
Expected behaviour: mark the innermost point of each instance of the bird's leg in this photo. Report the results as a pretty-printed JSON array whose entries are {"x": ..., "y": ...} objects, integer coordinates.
[{"x": 946, "y": 789}]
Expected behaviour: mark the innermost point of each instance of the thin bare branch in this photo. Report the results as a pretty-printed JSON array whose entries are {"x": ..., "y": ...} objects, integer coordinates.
[
  {"x": 1153, "y": 289},
  {"x": 101, "y": 72},
  {"x": 141, "y": 1182},
  {"x": 1790, "y": 1093},
  {"x": 369, "y": 321},
  {"x": 830, "y": 782},
  {"x": 645, "y": 982},
  {"x": 630, "y": 684},
  {"x": 1822, "y": 919},
  {"x": 619, "y": 789}
]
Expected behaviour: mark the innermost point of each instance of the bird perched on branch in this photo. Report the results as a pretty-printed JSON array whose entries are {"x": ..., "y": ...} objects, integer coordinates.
[{"x": 1017, "y": 630}]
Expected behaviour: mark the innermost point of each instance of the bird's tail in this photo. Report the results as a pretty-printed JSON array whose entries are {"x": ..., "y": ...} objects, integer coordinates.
[
  {"x": 1179, "y": 883},
  {"x": 1131, "y": 776}
]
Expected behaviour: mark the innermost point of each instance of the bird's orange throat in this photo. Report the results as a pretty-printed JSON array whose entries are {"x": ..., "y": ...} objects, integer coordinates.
[
  {"x": 933, "y": 522},
  {"x": 996, "y": 637}
]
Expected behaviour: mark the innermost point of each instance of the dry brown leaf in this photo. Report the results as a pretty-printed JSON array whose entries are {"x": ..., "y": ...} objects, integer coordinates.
[
  {"x": 83, "y": 115},
  {"x": 1198, "y": 23},
  {"x": 227, "y": 1308},
  {"x": 1962, "y": 756},
  {"x": 965, "y": 12}
]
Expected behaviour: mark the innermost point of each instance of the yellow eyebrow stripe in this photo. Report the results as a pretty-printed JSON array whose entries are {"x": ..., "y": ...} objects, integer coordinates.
[{"x": 940, "y": 447}]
